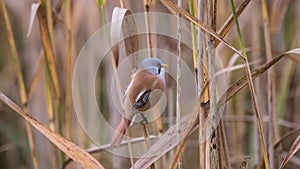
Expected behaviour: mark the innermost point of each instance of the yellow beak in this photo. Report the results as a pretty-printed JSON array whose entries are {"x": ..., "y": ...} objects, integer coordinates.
[{"x": 164, "y": 65}]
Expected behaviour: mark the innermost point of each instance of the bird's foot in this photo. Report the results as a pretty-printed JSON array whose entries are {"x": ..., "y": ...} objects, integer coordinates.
[{"x": 144, "y": 119}]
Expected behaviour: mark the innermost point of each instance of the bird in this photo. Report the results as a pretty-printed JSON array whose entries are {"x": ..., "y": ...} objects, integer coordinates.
[{"x": 143, "y": 92}]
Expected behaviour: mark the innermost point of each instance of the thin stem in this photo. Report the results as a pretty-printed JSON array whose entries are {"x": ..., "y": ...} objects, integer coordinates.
[
  {"x": 149, "y": 40},
  {"x": 49, "y": 52},
  {"x": 178, "y": 80},
  {"x": 211, "y": 154},
  {"x": 21, "y": 84},
  {"x": 122, "y": 4},
  {"x": 50, "y": 22},
  {"x": 114, "y": 62},
  {"x": 270, "y": 83},
  {"x": 255, "y": 44},
  {"x": 192, "y": 6},
  {"x": 68, "y": 69},
  {"x": 147, "y": 140},
  {"x": 51, "y": 116},
  {"x": 200, "y": 77},
  {"x": 250, "y": 83}
]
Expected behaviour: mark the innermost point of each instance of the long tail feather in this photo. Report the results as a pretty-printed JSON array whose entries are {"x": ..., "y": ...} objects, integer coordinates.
[{"x": 120, "y": 131}]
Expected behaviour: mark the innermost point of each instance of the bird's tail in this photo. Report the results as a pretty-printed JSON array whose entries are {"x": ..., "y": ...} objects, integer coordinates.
[{"x": 120, "y": 131}]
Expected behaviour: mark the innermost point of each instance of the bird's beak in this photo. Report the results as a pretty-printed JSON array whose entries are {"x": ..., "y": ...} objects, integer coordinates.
[{"x": 164, "y": 65}]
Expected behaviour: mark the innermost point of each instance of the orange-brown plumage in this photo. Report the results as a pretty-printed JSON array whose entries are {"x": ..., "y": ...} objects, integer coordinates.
[{"x": 144, "y": 91}]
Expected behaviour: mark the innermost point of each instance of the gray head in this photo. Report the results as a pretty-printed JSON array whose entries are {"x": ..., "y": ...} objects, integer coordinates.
[{"x": 154, "y": 65}]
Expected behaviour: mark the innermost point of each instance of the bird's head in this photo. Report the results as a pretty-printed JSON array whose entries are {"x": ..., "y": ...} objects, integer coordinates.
[{"x": 153, "y": 65}]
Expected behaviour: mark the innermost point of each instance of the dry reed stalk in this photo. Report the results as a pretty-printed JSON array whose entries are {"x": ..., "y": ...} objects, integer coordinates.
[
  {"x": 21, "y": 84},
  {"x": 170, "y": 115},
  {"x": 224, "y": 145},
  {"x": 193, "y": 11},
  {"x": 131, "y": 45},
  {"x": 129, "y": 146},
  {"x": 147, "y": 140},
  {"x": 260, "y": 97},
  {"x": 202, "y": 81},
  {"x": 147, "y": 4},
  {"x": 36, "y": 75},
  {"x": 49, "y": 19},
  {"x": 191, "y": 127},
  {"x": 122, "y": 4},
  {"x": 49, "y": 52},
  {"x": 212, "y": 160},
  {"x": 68, "y": 69},
  {"x": 50, "y": 113},
  {"x": 114, "y": 56},
  {"x": 48, "y": 40},
  {"x": 251, "y": 87},
  {"x": 178, "y": 84},
  {"x": 270, "y": 84}
]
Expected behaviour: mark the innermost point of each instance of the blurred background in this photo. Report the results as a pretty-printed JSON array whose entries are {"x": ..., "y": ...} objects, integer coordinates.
[{"x": 84, "y": 20}]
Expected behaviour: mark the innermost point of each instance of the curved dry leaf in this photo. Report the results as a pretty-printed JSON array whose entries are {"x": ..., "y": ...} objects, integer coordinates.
[
  {"x": 124, "y": 26},
  {"x": 168, "y": 141},
  {"x": 242, "y": 82},
  {"x": 233, "y": 68},
  {"x": 287, "y": 135},
  {"x": 294, "y": 148},
  {"x": 78, "y": 154}
]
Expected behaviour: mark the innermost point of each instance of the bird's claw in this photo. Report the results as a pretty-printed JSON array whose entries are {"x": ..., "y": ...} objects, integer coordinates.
[{"x": 144, "y": 119}]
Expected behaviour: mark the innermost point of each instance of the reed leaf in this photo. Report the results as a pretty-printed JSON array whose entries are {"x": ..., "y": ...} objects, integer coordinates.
[{"x": 72, "y": 150}]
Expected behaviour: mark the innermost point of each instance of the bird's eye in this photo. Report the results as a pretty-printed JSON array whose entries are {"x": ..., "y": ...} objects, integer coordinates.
[
  {"x": 158, "y": 65},
  {"x": 158, "y": 68}
]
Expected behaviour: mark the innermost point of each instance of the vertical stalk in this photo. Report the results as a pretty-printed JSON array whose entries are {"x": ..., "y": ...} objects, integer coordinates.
[
  {"x": 122, "y": 4},
  {"x": 115, "y": 72},
  {"x": 200, "y": 77},
  {"x": 130, "y": 149},
  {"x": 149, "y": 40},
  {"x": 193, "y": 11},
  {"x": 147, "y": 140},
  {"x": 50, "y": 21},
  {"x": 68, "y": 69},
  {"x": 270, "y": 83},
  {"x": 147, "y": 4},
  {"x": 252, "y": 92},
  {"x": 212, "y": 116},
  {"x": 224, "y": 145},
  {"x": 21, "y": 84},
  {"x": 170, "y": 115},
  {"x": 255, "y": 44},
  {"x": 50, "y": 111},
  {"x": 178, "y": 80},
  {"x": 48, "y": 46}
]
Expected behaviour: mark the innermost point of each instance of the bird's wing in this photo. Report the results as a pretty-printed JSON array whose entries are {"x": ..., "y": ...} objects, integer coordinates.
[{"x": 142, "y": 99}]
